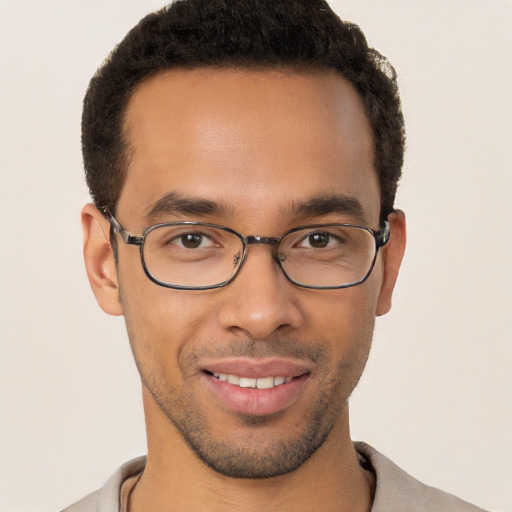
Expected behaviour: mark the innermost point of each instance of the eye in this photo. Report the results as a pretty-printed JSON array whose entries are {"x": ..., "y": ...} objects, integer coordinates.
[
  {"x": 318, "y": 240},
  {"x": 194, "y": 240}
]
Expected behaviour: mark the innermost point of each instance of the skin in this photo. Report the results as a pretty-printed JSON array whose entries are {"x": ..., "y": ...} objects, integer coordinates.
[{"x": 255, "y": 141}]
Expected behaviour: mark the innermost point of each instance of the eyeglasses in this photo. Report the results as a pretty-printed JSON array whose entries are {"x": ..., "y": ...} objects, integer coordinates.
[{"x": 202, "y": 256}]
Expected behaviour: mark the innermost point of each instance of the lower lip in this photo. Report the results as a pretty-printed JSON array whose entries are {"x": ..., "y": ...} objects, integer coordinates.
[{"x": 256, "y": 402}]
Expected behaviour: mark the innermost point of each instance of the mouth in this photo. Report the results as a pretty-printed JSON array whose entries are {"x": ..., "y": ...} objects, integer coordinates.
[
  {"x": 246, "y": 382},
  {"x": 255, "y": 387}
]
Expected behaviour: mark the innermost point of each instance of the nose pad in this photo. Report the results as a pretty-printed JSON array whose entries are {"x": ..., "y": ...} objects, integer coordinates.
[{"x": 260, "y": 299}]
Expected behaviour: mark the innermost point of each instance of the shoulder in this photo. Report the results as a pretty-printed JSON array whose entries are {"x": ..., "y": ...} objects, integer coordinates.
[
  {"x": 106, "y": 499},
  {"x": 398, "y": 491},
  {"x": 87, "y": 504}
]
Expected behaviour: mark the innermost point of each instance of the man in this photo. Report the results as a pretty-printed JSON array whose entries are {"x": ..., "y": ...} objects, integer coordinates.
[{"x": 243, "y": 158}]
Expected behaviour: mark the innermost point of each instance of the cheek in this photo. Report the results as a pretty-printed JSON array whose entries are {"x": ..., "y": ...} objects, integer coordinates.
[
  {"x": 346, "y": 318},
  {"x": 160, "y": 321},
  {"x": 346, "y": 309}
]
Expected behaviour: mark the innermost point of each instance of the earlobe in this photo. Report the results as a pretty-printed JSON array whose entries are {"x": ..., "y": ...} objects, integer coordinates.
[
  {"x": 99, "y": 260},
  {"x": 393, "y": 253}
]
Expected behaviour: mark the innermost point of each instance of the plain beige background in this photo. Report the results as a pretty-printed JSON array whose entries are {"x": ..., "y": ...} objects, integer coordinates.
[{"x": 436, "y": 396}]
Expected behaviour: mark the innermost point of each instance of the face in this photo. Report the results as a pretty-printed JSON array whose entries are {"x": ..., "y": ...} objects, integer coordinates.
[{"x": 255, "y": 147}]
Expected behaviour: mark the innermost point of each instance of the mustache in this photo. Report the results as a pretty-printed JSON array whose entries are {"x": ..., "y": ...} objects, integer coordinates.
[{"x": 286, "y": 347}]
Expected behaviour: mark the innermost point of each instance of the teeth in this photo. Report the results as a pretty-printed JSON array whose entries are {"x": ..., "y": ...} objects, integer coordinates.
[
  {"x": 265, "y": 383},
  {"x": 245, "y": 382},
  {"x": 233, "y": 379}
]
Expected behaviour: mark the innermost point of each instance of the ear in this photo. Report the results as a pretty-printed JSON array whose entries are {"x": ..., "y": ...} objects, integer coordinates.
[
  {"x": 393, "y": 253},
  {"x": 99, "y": 260}
]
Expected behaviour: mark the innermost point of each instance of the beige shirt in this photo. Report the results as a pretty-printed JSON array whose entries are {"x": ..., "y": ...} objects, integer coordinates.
[{"x": 395, "y": 491}]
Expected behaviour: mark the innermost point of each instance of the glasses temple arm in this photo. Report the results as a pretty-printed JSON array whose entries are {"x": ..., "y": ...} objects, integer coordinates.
[
  {"x": 125, "y": 235},
  {"x": 383, "y": 234}
]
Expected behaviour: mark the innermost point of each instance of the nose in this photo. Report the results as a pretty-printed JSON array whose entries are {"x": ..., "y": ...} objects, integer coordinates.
[{"x": 260, "y": 300}]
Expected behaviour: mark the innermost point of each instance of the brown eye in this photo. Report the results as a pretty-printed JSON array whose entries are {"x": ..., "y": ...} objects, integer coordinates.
[
  {"x": 319, "y": 240},
  {"x": 191, "y": 240}
]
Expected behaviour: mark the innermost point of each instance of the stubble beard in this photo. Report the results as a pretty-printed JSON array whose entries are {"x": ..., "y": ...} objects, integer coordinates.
[{"x": 249, "y": 457}]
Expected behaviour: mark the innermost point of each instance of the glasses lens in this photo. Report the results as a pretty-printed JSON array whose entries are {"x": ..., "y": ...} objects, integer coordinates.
[
  {"x": 191, "y": 255},
  {"x": 328, "y": 256}
]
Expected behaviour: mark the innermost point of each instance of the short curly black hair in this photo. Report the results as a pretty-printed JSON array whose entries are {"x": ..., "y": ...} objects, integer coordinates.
[{"x": 302, "y": 34}]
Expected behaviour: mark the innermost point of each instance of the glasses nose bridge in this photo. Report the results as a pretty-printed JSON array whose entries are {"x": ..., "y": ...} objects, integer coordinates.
[
  {"x": 264, "y": 240},
  {"x": 274, "y": 243}
]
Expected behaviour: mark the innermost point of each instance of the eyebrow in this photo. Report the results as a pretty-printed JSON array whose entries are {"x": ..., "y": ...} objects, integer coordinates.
[
  {"x": 175, "y": 203},
  {"x": 326, "y": 204}
]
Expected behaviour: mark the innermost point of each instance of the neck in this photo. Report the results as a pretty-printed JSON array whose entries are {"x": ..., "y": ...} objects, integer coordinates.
[{"x": 175, "y": 479}]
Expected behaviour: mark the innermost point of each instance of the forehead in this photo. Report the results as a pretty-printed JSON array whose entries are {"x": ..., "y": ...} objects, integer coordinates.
[{"x": 251, "y": 139}]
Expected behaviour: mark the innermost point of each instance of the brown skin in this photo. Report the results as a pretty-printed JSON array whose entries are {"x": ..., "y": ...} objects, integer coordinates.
[{"x": 255, "y": 141}]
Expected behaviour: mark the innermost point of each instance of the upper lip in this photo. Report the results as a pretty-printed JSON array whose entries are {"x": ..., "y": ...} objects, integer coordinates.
[{"x": 255, "y": 368}]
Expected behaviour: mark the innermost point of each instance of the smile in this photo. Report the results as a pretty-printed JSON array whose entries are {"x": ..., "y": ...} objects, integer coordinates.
[
  {"x": 256, "y": 387},
  {"x": 259, "y": 383}
]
